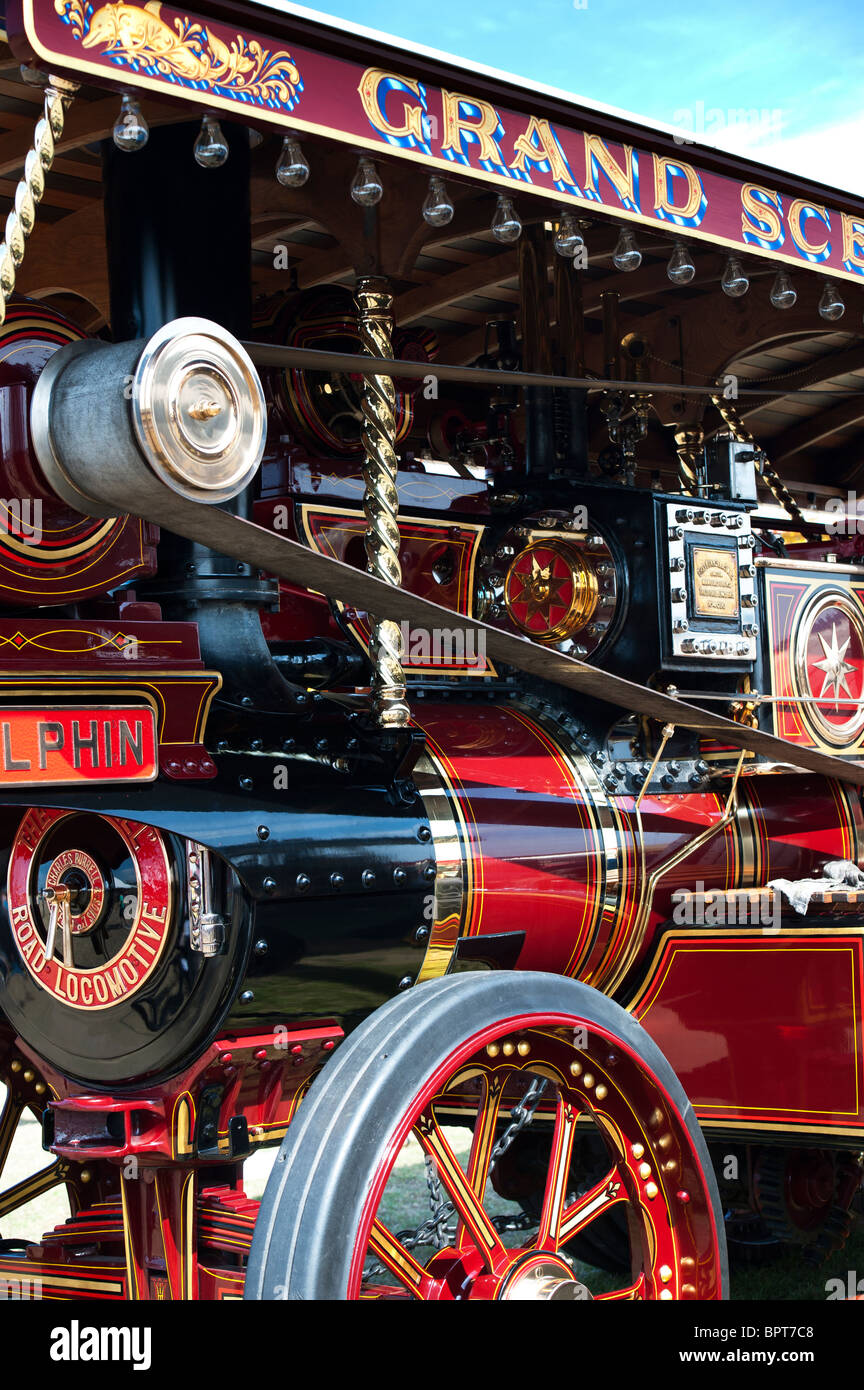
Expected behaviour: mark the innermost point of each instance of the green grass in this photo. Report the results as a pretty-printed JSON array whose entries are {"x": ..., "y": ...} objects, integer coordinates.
[{"x": 406, "y": 1204}]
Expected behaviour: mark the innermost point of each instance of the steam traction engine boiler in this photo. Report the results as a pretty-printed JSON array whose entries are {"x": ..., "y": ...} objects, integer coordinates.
[{"x": 431, "y": 634}]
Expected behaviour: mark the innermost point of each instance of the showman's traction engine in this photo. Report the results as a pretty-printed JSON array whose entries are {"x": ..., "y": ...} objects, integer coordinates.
[{"x": 431, "y": 634}]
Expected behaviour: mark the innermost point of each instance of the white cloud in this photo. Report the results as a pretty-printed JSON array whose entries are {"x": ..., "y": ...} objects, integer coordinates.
[{"x": 829, "y": 155}]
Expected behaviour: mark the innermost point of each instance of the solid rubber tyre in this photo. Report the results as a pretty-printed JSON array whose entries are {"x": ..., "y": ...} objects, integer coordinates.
[{"x": 345, "y": 1132}]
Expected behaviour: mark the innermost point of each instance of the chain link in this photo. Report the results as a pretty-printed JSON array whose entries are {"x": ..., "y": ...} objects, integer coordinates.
[
  {"x": 522, "y": 1114},
  {"x": 752, "y": 382},
  {"x": 430, "y": 1231}
]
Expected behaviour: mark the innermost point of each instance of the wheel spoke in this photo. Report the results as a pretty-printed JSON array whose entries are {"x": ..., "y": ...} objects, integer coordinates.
[
  {"x": 376, "y": 1292},
  {"x": 12, "y": 1111},
  {"x": 483, "y": 1142},
  {"x": 632, "y": 1291},
  {"x": 392, "y": 1253},
  {"x": 467, "y": 1202},
  {"x": 24, "y": 1192},
  {"x": 550, "y": 1235},
  {"x": 605, "y": 1194}
]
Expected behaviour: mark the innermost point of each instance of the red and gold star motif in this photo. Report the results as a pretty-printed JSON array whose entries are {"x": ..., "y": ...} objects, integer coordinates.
[{"x": 550, "y": 591}]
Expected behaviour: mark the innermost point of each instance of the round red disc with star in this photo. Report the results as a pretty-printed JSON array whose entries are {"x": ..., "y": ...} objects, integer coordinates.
[
  {"x": 550, "y": 591},
  {"x": 829, "y": 661}
]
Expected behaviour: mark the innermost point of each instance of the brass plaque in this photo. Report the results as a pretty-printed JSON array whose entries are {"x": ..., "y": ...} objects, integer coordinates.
[{"x": 715, "y": 582}]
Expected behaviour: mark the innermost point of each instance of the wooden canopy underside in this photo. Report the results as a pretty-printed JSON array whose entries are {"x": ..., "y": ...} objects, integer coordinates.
[{"x": 455, "y": 279}]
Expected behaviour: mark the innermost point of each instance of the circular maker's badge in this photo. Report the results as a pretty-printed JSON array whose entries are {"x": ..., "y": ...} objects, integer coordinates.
[
  {"x": 829, "y": 668},
  {"x": 550, "y": 591},
  {"x": 90, "y": 905}
]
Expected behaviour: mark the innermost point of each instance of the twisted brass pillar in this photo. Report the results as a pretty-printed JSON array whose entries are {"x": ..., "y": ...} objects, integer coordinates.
[
  {"x": 381, "y": 499},
  {"x": 769, "y": 475},
  {"x": 40, "y": 157},
  {"x": 690, "y": 444}
]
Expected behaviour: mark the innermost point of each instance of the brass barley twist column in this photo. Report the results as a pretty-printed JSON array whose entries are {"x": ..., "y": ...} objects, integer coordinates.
[
  {"x": 770, "y": 476},
  {"x": 40, "y": 157},
  {"x": 689, "y": 444},
  {"x": 381, "y": 499}
]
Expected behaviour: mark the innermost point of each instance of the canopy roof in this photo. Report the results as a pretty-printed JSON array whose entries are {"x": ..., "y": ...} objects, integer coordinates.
[{"x": 278, "y": 67}]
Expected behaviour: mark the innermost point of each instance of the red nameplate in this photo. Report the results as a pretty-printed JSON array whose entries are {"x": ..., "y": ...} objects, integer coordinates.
[{"x": 61, "y": 746}]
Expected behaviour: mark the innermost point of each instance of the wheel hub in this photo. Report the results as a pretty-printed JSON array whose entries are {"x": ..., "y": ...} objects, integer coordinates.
[
  {"x": 78, "y": 872},
  {"x": 543, "y": 1279}
]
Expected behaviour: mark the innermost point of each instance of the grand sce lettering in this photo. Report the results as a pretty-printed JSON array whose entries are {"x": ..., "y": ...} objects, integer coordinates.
[{"x": 471, "y": 133}]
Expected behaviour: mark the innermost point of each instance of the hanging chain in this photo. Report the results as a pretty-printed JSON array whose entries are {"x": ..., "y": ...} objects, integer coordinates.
[
  {"x": 522, "y": 1114},
  {"x": 381, "y": 498},
  {"x": 770, "y": 476},
  {"x": 430, "y": 1231},
  {"x": 730, "y": 416},
  {"x": 28, "y": 194}
]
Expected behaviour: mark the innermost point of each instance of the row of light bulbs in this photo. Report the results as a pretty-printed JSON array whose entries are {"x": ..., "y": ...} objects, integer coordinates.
[
  {"x": 733, "y": 282},
  {"x": 292, "y": 170}
]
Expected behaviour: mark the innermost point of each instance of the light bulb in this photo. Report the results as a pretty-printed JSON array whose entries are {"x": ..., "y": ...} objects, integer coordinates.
[
  {"x": 783, "y": 294},
  {"x": 131, "y": 131},
  {"x": 568, "y": 238},
  {"x": 211, "y": 147},
  {"x": 437, "y": 208},
  {"x": 292, "y": 170},
  {"x": 734, "y": 281},
  {"x": 831, "y": 306},
  {"x": 680, "y": 268},
  {"x": 366, "y": 188},
  {"x": 505, "y": 224},
  {"x": 626, "y": 255}
]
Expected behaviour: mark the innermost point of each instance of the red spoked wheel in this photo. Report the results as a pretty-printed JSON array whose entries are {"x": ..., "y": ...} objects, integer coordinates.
[{"x": 451, "y": 1071}]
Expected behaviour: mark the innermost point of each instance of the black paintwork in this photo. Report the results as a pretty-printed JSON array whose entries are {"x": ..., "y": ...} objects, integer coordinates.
[
  {"x": 325, "y": 948},
  {"x": 178, "y": 235}
]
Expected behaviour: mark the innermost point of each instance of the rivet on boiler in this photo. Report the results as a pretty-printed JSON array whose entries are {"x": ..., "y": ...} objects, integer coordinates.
[
  {"x": 637, "y": 1150},
  {"x": 493, "y": 1049},
  {"x": 651, "y": 1190},
  {"x": 644, "y": 1170},
  {"x": 575, "y": 1068},
  {"x": 509, "y": 1048},
  {"x": 523, "y": 1048}
]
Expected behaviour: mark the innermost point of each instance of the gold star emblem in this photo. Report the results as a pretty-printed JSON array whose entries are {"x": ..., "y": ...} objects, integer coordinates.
[{"x": 539, "y": 591}]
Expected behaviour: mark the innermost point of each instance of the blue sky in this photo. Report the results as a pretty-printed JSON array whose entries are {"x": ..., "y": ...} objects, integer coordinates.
[{"x": 798, "y": 65}]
